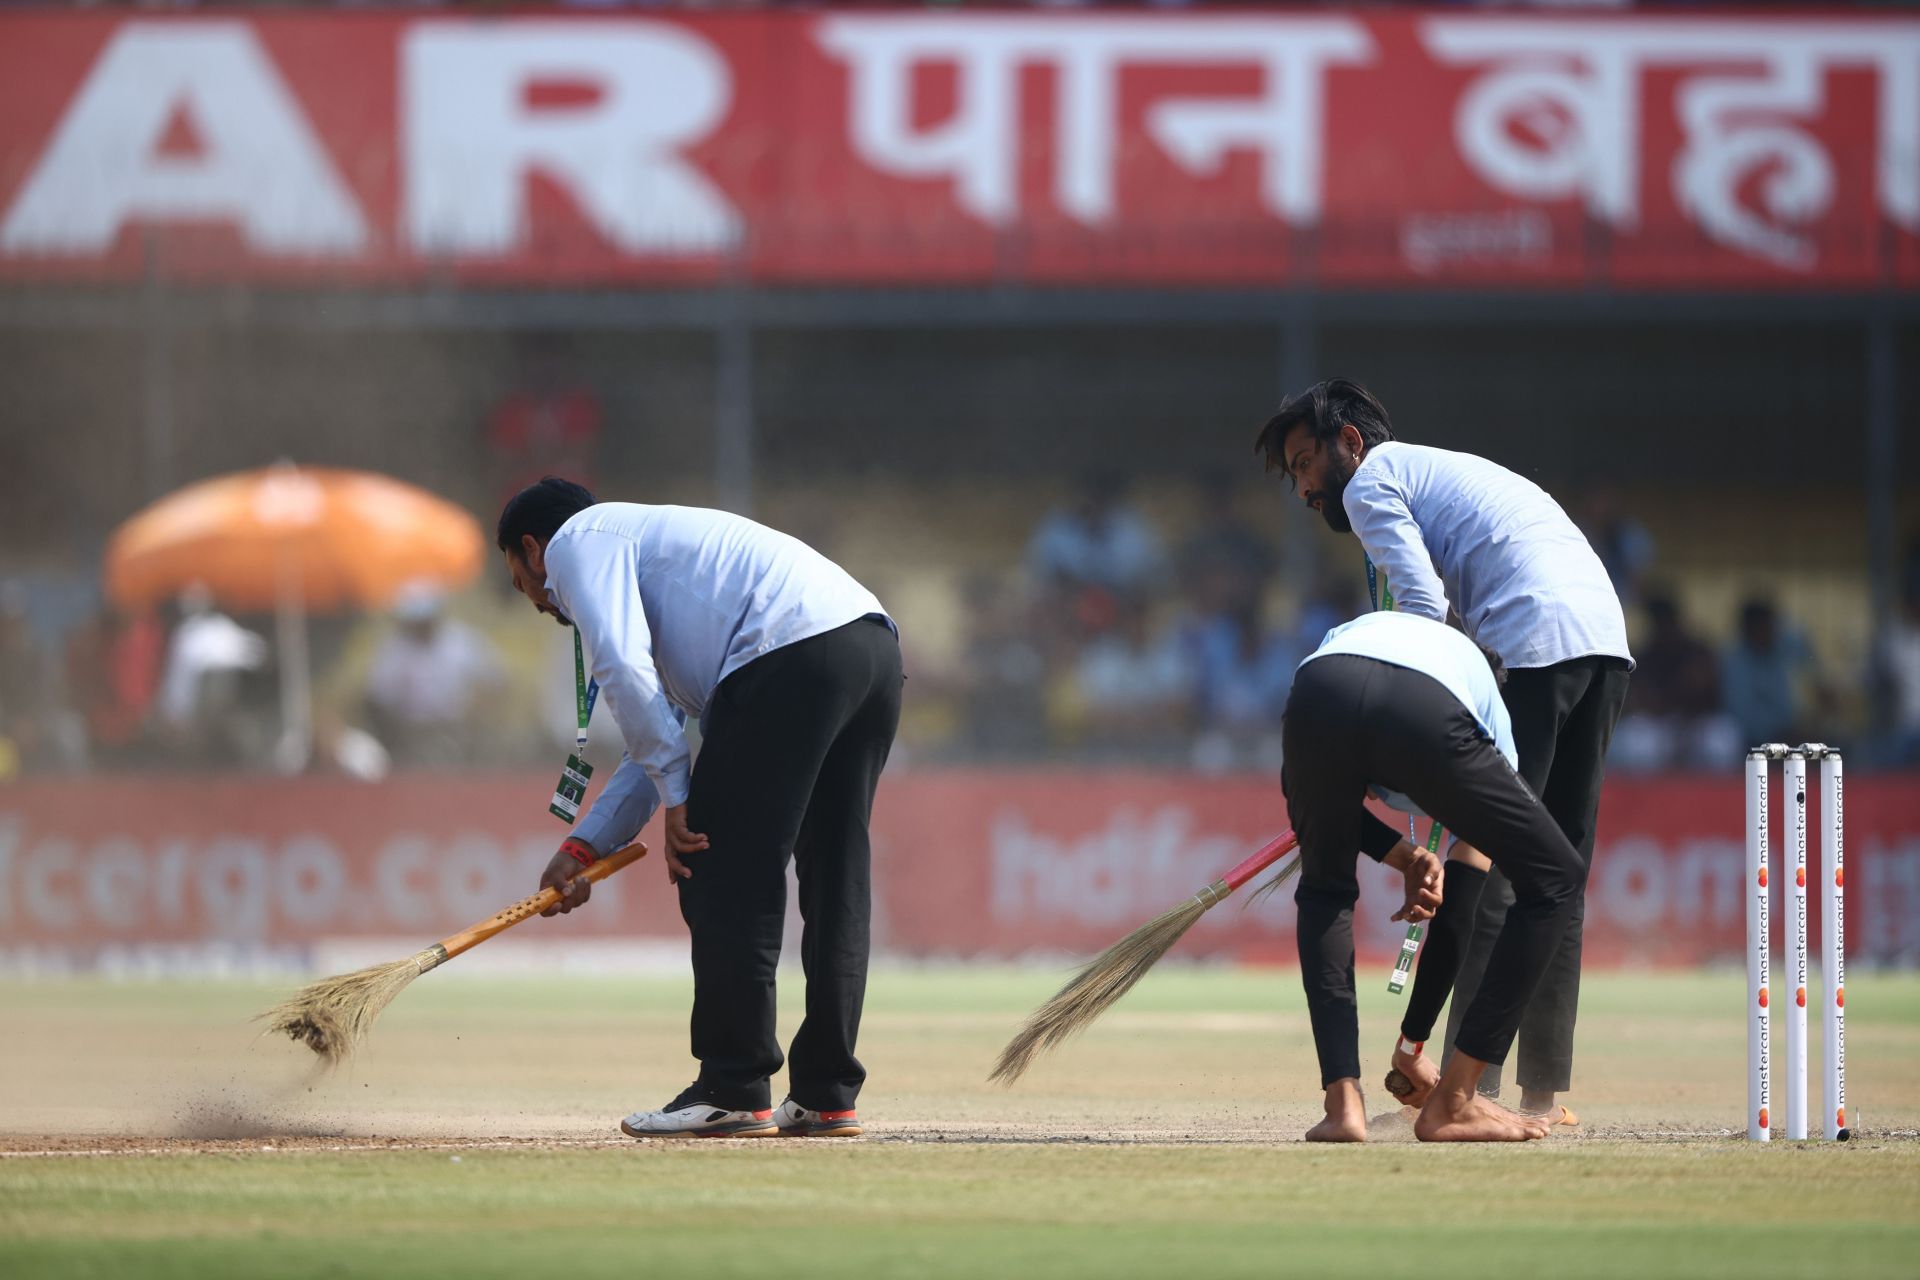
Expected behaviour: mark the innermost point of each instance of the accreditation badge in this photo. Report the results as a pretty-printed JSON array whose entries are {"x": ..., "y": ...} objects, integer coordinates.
[{"x": 571, "y": 791}]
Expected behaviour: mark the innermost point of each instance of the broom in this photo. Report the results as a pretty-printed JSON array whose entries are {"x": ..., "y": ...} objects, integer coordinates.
[
  {"x": 1112, "y": 974},
  {"x": 333, "y": 1016}
]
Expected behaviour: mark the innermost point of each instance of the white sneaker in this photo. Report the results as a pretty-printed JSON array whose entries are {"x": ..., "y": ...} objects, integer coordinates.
[
  {"x": 795, "y": 1121},
  {"x": 698, "y": 1120}
]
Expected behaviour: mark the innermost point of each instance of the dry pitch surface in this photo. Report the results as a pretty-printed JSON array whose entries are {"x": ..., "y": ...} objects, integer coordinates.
[{"x": 144, "y": 1131}]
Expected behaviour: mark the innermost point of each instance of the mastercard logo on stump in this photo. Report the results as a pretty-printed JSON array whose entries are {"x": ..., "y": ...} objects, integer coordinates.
[
  {"x": 1800, "y": 997},
  {"x": 1763, "y": 877},
  {"x": 1763, "y": 997},
  {"x": 1800, "y": 877}
]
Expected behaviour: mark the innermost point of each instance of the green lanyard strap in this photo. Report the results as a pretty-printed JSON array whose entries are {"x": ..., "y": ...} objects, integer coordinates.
[
  {"x": 585, "y": 692},
  {"x": 1379, "y": 593}
]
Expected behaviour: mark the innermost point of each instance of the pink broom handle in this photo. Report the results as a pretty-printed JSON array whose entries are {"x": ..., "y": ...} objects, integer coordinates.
[{"x": 1262, "y": 858}]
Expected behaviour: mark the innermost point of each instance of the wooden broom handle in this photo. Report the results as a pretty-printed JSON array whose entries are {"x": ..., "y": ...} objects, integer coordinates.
[{"x": 474, "y": 935}]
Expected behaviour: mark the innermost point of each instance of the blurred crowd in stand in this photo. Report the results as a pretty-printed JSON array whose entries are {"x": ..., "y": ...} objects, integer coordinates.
[
  {"x": 190, "y": 687},
  {"x": 1113, "y": 642},
  {"x": 1113, "y": 646}
]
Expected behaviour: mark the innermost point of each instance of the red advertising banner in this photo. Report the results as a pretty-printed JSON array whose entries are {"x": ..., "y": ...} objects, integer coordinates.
[
  {"x": 830, "y": 146},
  {"x": 968, "y": 864}
]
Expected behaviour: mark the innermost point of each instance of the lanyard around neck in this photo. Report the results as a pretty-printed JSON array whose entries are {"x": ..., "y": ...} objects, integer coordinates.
[{"x": 585, "y": 692}]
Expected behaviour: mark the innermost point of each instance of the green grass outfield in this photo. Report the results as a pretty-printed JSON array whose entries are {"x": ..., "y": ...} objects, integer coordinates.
[{"x": 474, "y": 1138}]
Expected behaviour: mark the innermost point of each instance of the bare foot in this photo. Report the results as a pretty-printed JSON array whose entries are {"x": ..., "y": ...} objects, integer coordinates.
[
  {"x": 1346, "y": 1115},
  {"x": 1337, "y": 1129},
  {"x": 1451, "y": 1117},
  {"x": 1412, "y": 1078}
]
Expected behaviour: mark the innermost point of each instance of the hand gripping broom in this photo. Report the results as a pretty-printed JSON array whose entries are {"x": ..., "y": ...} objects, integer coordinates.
[
  {"x": 333, "y": 1016},
  {"x": 1112, "y": 974}
]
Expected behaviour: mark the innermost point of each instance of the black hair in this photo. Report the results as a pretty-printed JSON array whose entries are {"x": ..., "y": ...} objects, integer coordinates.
[
  {"x": 1325, "y": 407},
  {"x": 1758, "y": 611},
  {"x": 540, "y": 509}
]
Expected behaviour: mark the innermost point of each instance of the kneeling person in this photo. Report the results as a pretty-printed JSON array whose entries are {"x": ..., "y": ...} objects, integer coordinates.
[{"x": 1411, "y": 709}]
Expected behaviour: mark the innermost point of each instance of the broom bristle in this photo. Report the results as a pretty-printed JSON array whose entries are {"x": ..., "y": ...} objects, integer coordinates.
[
  {"x": 1112, "y": 974},
  {"x": 1280, "y": 877},
  {"x": 334, "y": 1015},
  {"x": 1094, "y": 989}
]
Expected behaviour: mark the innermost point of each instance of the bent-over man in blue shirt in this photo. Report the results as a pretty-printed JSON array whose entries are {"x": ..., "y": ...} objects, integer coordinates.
[
  {"x": 1411, "y": 710},
  {"x": 793, "y": 670}
]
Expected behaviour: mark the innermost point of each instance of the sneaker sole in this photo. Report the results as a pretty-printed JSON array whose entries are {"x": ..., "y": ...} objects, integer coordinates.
[
  {"x": 746, "y": 1129},
  {"x": 850, "y": 1129}
]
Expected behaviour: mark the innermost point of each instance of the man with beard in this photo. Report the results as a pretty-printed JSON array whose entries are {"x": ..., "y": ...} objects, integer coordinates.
[
  {"x": 1454, "y": 534},
  {"x": 793, "y": 669}
]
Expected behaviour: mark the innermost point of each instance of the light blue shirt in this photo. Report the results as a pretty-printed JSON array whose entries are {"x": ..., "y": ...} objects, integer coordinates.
[
  {"x": 1122, "y": 552},
  {"x": 1433, "y": 649},
  {"x": 670, "y": 601},
  {"x": 1454, "y": 529},
  {"x": 1761, "y": 691},
  {"x": 1238, "y": 689}
]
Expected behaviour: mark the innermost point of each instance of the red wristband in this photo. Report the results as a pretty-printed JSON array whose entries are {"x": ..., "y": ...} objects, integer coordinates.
[{"x": 579, "y": 850}]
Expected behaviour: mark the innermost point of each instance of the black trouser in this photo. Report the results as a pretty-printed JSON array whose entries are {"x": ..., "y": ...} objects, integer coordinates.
[
  {"x": 1563, "y": 718},
  {"x": 1352, "y": 721},
  {"x": 790, "y": 757}
]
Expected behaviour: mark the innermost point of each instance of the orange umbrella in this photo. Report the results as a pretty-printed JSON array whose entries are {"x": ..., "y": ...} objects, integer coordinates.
[
  {"x": 332, "y": 539},
  {"x": 293, "y": 540}
]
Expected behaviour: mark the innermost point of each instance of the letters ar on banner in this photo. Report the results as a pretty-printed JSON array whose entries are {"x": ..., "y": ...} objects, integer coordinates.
[
  {"x": 855, "y": 146},
  {"x": 968, "y": 864}
]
